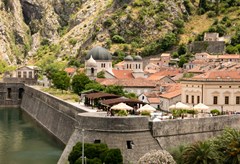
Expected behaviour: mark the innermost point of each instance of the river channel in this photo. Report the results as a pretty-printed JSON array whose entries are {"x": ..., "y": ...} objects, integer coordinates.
[{"x": 23, "y": 141}]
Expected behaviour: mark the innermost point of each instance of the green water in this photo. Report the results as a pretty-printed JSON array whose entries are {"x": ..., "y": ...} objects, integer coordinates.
[{"x": 22, "y": 141}]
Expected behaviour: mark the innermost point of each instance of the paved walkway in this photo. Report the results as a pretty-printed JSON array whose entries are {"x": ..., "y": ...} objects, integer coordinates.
[{"x": 83, "y": 107}]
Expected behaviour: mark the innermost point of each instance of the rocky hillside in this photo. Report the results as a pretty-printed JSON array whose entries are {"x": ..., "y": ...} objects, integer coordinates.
[{"x": 32, "y": 30}]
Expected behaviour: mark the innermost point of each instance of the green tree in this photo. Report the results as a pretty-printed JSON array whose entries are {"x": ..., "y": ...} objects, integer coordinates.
[
  {"x": 61, "y": 80},
  {"x": 200, "y": 153},
  {"x": 95, "y": 86},
  {"x": 115, "y": 89},
  {"x": 113, "y": 156},
  {"x": 228, "y": 145},
  {"x": 182, "y": 49},
  {"x": 182, "y": 61},
  {"x": 78, "y": 82}
]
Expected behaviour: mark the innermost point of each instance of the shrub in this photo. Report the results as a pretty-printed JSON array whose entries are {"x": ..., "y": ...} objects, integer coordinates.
[
  {"x": 145, "y": 113},
  {"x": 215, "y": 112},
  {"x": 122, "y": 113},
  {"x": 211, "y": 14},
  {"x": 113, "y": 156},
  {"x": 72, "y": 41},
  {"x": 118, "y": 39},
  {"x": 108, "y": 23}
]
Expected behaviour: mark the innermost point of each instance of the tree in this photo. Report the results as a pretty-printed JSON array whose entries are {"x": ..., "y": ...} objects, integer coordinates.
[
  {"x": 182, "y": 49},
  {"x": 95, "y": 86},
  {"x": 182, "y": 61},
  {"x": 228, "y": 145},
  {"x": 61, "y": 80},
  {"x": 200, "y": 152},
  {"x": 113, "y": 156},
  {"x": 78, "y": 82},
  {"x": 115, "y": 89}
]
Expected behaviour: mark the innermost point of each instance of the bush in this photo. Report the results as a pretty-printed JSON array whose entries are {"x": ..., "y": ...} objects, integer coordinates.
[
  {"x": 215, "y": 112},
  {"x": 108, "y": 23},
  {"x": 95, "y": 153},
  {"x": 211, "y": 14},
  {"x": 113, "y": 156},
  {"x": 145, "y": 113},
  {"x": 118, "y": 39},
  {"x": 122, "y": 113},
  {"x": 72, "y": 41}
]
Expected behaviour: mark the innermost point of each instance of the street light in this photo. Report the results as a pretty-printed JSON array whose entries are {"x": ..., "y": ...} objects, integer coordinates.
[{"x": 82, "y": 146}]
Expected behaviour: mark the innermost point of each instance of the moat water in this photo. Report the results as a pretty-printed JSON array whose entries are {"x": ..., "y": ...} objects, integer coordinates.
[{"x": 23, "y": 141}]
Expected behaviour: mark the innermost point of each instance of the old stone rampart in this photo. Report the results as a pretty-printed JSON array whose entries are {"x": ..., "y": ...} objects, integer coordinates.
[
  {"x": 130, "y": 134},
  {"x": 173, "y": 133},
  {"x": 57, "y": 116}
]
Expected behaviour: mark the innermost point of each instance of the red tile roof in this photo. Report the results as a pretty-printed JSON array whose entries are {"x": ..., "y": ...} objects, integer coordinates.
[
  {"x": 123, "y": 74},
  {"x": 155, "y": 100},
  {"x": 226, "y": 74},
  {"x": 172, "y": 94},
  {"x": 140, "y": 82},
  {"x": 70, "y": 70},
  {"x": 169, "y": 72}
]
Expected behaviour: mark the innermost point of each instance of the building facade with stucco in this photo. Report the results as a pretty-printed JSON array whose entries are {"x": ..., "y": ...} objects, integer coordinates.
[{"x": 216, "y": 89}]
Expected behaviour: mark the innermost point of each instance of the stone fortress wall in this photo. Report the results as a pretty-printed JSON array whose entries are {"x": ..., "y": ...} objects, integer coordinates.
[{"x": 134, "y": 135}]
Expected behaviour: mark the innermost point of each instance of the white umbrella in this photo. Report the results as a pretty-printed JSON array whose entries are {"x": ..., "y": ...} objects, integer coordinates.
[
  {"x": 180, "y": 105},
  {"x": 172, "y": 107},
  {"x": 121, "y": 106},
  {"x": 146, "y": 107},
  {"x": 201, "y": 106}
]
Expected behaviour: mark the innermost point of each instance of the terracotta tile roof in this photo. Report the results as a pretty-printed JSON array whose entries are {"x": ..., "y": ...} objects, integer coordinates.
[
  {"x": 172, "y": 94},
  {"x": 123, "y": 74},
  {"x": 196, "y": 69},
  {"x": 140, "y": 82},
  {"x": 227, "y": 74},
  {"x": 155, "y": 77},
  {"x": 167, "y": 72},
  {"x": 154, "y": 100},
  {"x": 70, "y": 70}
]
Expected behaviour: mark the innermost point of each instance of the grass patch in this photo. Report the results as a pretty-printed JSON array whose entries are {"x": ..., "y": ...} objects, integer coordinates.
[{"x": 64, "y": 95}]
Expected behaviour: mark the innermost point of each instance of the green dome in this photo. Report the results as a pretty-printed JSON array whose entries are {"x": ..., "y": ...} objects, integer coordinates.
[
  {"x": 128, "y": 58},
  {"x": 138, "y": 58},
  {"x": 99, "y": 53}
]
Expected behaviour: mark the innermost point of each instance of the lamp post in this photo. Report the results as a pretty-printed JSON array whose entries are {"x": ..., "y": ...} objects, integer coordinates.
[{"x": 82, "y": 146}]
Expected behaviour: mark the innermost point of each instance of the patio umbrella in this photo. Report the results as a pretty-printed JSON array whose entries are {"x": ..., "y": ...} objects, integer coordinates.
[
  {"x": 172, "y": 107},
  {"x": 201, "y": 106},
  {"x": 146, "y": 107},
  {"x": 121, "y": 106},
  {"x": 180, "y": 105}
]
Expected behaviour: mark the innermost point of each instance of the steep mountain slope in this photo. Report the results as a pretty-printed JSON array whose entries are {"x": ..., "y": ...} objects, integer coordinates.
[{"x": 34, "y": 30}]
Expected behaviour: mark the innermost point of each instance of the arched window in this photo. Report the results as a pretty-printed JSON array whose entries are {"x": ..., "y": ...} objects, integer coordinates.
[{"x": 92, "y": 71}]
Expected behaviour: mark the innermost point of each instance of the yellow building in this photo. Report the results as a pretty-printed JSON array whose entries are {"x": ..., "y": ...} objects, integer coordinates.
[{"x": 216, "y": 89}]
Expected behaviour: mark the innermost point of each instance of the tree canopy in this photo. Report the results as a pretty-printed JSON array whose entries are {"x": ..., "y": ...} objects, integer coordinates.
[{"x": 61, "y": 80}]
